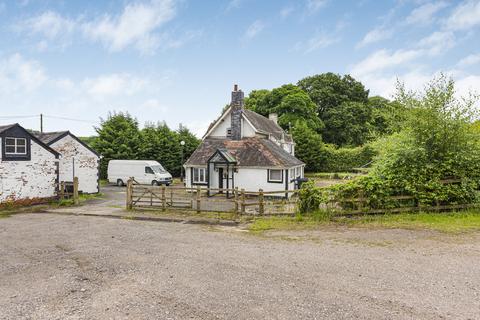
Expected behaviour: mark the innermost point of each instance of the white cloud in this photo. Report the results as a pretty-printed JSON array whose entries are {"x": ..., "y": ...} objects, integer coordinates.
[
  {"x": 254, "y": 29},
  {"x": 319, "y": 41},
  {"x": 314, "y": 5},
  {"x": 234, "y": 4},
  {"x": 286, "y": 11},
  {"x": 438, "y": 42},
  {"x": 20, "y": 74},
  {"x": 49, "y": 24},
  {"x": 464, "y": 16},
  {"x": 470, "y": 60},
  {"x": 135, "y": 26},
  {"x": 468, "y": 84},
  {"x": 384, "y": 59},
  {"x": 425, "y": 14},
  {"x": 114, "y": 84},
  {"x": 375, "y": 35},
  {"x": 154, "y": 105}
]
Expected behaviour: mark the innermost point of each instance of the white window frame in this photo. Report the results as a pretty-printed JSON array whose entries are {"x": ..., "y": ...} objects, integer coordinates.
[
  {"x": 197, "y": 175},
  {"x": 275, "y": 180},
  {"x": 298, "y": 171},
  {"x": 15, "y": 145}
]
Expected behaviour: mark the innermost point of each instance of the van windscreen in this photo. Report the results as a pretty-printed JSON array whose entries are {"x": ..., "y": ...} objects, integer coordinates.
[{"x": 158, "y": 169}]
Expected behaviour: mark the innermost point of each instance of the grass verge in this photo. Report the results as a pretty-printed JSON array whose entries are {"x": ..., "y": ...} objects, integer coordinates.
[{"x": 453, "y": 222}]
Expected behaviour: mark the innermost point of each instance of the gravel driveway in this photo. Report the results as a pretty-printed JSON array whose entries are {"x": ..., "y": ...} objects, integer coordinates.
[{"x": 77, "y": 267}]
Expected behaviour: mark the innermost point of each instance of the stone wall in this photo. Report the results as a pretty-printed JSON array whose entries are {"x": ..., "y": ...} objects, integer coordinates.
[
  {"x": 73, "y": 153},
  {"x": 28, "y": 179}
]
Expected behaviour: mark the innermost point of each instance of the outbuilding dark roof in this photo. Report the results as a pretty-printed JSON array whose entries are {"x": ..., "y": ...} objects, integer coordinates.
[
  {"x": 248, "y": 152},
  {"x": 33, "y": 137},
  {"x": 48, "y": 137},
  {"x": 6, "y": 127}
]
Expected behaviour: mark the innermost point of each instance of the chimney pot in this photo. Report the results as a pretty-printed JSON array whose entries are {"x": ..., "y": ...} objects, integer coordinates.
[{"x": 235, "y": 87}]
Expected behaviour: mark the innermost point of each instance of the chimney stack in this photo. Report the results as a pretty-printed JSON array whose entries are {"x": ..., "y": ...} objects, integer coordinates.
[
  {"x": 236, "y": 116},
  {"x": 273, "y": 117},
  {"x": 237, "y": 96}
]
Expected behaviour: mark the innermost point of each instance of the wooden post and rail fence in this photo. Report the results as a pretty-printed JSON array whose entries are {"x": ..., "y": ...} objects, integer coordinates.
[
  {"x": 243, "y": 202},
  {"x": 68, "y": 190}
]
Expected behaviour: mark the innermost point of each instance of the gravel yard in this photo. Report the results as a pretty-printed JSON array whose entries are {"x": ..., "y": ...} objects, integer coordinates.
[{"x": 77, "y": 267}]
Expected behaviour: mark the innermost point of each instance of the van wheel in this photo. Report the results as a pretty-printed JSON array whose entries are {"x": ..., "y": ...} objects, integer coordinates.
[
  {"x": 120, "y": 183},
  {"x": 155, "y": 183}
]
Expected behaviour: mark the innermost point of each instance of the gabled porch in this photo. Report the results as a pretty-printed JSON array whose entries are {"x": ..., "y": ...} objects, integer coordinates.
[{"x": 221, "y": 169}]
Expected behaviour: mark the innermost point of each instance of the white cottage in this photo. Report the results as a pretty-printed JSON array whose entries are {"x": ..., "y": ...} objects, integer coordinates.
[
  {"x": 28, "y": 167},
  {"x": 76, "y": 159},
  {"x": 246, "y": 150}
]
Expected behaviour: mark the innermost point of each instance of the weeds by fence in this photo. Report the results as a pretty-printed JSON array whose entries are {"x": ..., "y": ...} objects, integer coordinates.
[{"x": 281, "y": 202}]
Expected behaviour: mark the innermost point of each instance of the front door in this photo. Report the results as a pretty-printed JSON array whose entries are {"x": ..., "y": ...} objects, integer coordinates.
[{"x": 220, "y": 179}]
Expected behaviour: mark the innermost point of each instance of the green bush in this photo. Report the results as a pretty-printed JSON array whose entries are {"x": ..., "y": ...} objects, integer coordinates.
[
  {"x": 310, "y": 197},
  {"x": 436, "y": 144},
  {"x": 346, "y": 159}
]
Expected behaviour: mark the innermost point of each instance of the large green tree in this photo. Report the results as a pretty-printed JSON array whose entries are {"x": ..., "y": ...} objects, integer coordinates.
[
  {"x": 387, "y": 116},
  {"x": 290, "y": 103},
  {"x": 348, "y": 124},
  {"x": 333, "y": 96},
  {"x": 329, "y": 90},
  {"x": 118, "y": 138},
  {"x": 309, "y": 147}
]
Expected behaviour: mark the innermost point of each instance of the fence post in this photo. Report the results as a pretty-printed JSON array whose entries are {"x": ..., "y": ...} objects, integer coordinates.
[
  {"x": 235, "y": 195},
  {"x": 62, "y": 190},
  {"x": 199, "y": 198},
  {"x": 261, "y": 203},
  {"x": 242, "y": 196},
  {"x": 129, "y": 194},
  {"x": 164, "y": 199},
  {"x": 75, "y": 190},
  {"x": 360, "y": 200}
]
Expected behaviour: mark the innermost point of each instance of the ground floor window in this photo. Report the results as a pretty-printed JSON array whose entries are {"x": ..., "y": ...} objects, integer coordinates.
[
  {"x": 275, "y": 175},
  {"x": 199, "y": 175}
]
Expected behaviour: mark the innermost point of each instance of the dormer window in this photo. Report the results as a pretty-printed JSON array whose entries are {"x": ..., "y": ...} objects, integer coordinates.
[
  {"x": 229, "y": 132},
  {"x": 15, "y": 146}
]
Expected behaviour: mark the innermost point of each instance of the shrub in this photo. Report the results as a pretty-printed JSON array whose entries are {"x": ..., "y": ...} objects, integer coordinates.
[
  {"x": 436, "y": 143},
  {"x": 310, "y": 197}
]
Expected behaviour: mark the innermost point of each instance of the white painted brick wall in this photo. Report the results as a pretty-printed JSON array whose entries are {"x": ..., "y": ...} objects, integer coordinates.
[
  {"x": 86, "y": 164},
  {"x": 28, "y": 179}
]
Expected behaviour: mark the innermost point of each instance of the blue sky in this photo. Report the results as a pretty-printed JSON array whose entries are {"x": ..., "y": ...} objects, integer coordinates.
[{"x": 177, "y": 60}]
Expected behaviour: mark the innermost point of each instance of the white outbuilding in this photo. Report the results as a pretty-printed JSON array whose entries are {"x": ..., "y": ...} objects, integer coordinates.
[
  {"x": 246, "y": 150},
  {"x": 28, "y": 167},
  {"x": 77, "y": 159}
]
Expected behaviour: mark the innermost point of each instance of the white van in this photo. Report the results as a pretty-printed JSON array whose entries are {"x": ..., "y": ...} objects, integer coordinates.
[{"x": 144, "y": 172}]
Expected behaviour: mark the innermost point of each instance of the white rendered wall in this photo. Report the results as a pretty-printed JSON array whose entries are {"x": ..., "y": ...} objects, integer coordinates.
[
  {"x": 252, "y": 179},
  {"x": 86, "y": 164},
  {"x": 221, "y": 129},
  {"x": 28, "y": 179}
]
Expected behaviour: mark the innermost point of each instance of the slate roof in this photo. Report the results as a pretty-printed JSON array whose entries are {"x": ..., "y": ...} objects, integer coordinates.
[
  {"x": 248, "y": 152},
  {"x": 33, "y": 136},
  {"x": 6, "y": 127},
  {"x": 266, "y": 125},
  {"x": 48, "y": 137}
]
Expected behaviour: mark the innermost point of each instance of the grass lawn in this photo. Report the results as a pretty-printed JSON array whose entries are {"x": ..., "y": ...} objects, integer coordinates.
[{"x": 454, "y": 222}]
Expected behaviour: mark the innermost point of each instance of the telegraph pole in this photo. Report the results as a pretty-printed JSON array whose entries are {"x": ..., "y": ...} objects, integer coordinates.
[{"x": 41, "y": 123}]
